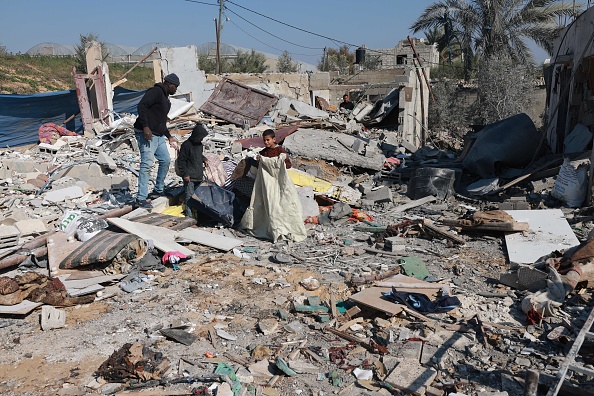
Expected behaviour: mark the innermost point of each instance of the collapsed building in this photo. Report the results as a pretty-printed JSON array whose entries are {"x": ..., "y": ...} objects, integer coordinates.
[{"x": 422, "y": 271}]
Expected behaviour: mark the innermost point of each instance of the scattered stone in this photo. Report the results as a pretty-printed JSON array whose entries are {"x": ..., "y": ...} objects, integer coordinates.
[
  {"x": 363, "y": 374},
  {"x": 227, "y": 336},
  {"x": 268, "y": 326},
  {"x": 244, "y": 376},
  {"x": 303, "y": 367},
  {"x": 310, "y": 283}
]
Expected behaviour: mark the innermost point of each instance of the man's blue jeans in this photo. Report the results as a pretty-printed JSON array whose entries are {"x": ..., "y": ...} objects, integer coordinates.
[{"x": 149, "y": 150}]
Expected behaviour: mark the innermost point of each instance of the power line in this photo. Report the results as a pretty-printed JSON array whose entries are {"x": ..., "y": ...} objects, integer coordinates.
[
  {"x": 268, "y": 45},
  {"x": 291, "y": 26},
  {"x": 273, "y": 35},
  {"x": 201, "y": 2},
  {"x": 335, "y": 41}
]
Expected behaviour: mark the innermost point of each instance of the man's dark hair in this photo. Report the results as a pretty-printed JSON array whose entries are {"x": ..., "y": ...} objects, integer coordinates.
[
  {"x": 345, "y": 96},
  {"x": 268, "y": 132}
]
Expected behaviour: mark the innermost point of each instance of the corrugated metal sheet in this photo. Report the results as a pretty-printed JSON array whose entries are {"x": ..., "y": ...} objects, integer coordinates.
[{"x": 238, "y": 103}]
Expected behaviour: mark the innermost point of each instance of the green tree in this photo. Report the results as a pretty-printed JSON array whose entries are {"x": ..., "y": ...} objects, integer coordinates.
[
  {"x": 206, "y": 64},
  {"x": 3, "y": 49},
  {"x": 247, "y": 62},
  {"x": 341, "y": 60},
  {"x": 490, "y": 27},
  {"x": 504, "y": 88},
  {"x": 285, "y": 64},
  {"x": 80, "y": 50}
]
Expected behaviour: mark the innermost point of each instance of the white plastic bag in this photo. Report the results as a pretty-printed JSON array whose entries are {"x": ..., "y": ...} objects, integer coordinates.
[
  {"x": 70, "y": 221},
  {"x": 571, "y": 185}
]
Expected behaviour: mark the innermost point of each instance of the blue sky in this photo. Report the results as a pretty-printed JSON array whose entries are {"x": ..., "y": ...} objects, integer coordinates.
[{"x": 376, "y": 23}]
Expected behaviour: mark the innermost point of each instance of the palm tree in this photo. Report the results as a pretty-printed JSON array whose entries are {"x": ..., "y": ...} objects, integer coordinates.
[
  {"x": 448, "y": 48},
  {"x": 487, "y": 27}
]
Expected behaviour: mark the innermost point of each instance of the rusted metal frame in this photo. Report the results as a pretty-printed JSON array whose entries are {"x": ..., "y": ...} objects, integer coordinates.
[{"x": 569, "y": 362}]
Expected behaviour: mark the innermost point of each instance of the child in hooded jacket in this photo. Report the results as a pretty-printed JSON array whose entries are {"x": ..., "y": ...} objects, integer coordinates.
[{"x": 191, "y": 163}]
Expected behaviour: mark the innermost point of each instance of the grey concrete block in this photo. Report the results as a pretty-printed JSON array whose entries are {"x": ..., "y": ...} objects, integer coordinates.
[
  {"x": 410, "y": 376},
  {"x": 23, "y": 166},
  {"x": 359, "y": 146},
  {"x": 411, "y": 350},
  {"x": 408, "y": 146},
  {"x": 382, "y": 194},
  {"x": 52, "y": 318},
  {"x": 106, "y": 161}
]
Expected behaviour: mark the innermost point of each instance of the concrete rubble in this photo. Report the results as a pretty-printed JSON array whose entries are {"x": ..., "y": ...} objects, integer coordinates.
[{"x": 406, "y": 284}]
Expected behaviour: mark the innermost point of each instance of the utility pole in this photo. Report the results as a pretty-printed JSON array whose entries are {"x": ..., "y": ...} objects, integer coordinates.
[{"x": 219, "y": 26}]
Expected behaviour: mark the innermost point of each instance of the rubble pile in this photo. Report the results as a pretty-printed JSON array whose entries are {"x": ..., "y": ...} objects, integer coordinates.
[{"x": 423, "y": 270}]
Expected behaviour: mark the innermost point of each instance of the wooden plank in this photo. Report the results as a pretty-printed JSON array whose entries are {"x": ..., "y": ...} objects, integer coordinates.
[
  {"x": 491, "y": 226},
  {"x": 428, "y": 224},
  {"x": 23, "y": 308},
  {"x": 410, "y": 284},
  {"x": 350, "y": 323},
  {"x": 163, "y": 238},
  {"x": 413, "y": 204},
  {"x": 333, "y": 306},
  {"x": 372, "y": 298},
  {"x": 209, "y": 239}
]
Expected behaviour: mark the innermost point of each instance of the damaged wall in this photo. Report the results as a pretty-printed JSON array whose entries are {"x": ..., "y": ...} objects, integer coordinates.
[
  {"x": 292, "y": 85},
  {"x": 571, "y": 84},
  {"x": 374, "y": 85},
  {"x": 183, "y": 61}
]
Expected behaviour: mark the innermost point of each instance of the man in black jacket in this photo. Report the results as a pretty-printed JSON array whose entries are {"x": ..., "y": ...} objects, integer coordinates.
[
  {"x": 191, "y": 162},
  {"x": 151, "y": 133}
]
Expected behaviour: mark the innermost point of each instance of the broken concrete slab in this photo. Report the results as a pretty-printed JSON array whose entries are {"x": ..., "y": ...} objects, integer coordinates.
[
  {"x": 315, "y": 143},
  {"x": 55, "y": 196},
  {"x": 209, "y": 239},
  {"x": 379, "y": 195},
  {"x": 52, "y": 318},
  {"x": 302, "y": 109},
  {"x": 549, "y": 231},
  {"x": 163, "y": 238},
  {"x": 105, "y": 160},
  {"x": 411, "y": 377},
  {"x": 22, "y": 308},
  {"x": 31, "y": 227}
]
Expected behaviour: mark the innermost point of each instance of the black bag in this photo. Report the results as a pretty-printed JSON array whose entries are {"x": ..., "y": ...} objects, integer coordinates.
[{"x": 214, "y": 201}]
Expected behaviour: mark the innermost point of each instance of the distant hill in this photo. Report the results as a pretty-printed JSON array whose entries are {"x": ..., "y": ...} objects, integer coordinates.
[{"x": 25, "y": 74}]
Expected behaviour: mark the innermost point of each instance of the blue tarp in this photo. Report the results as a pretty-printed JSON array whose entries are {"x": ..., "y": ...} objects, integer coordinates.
[{"x": 22, "y": 115}]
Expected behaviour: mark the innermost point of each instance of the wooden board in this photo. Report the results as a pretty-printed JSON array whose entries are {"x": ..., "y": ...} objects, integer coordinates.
[
  {"x": 415, "y": 285},
  {"x": 209, "y": 239},
  {"x": 22, "y": 308},
  {"x": 163, "y": 238},
  {"x": 372, "y": 298},
  {"x": 549, "y": 231}
]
